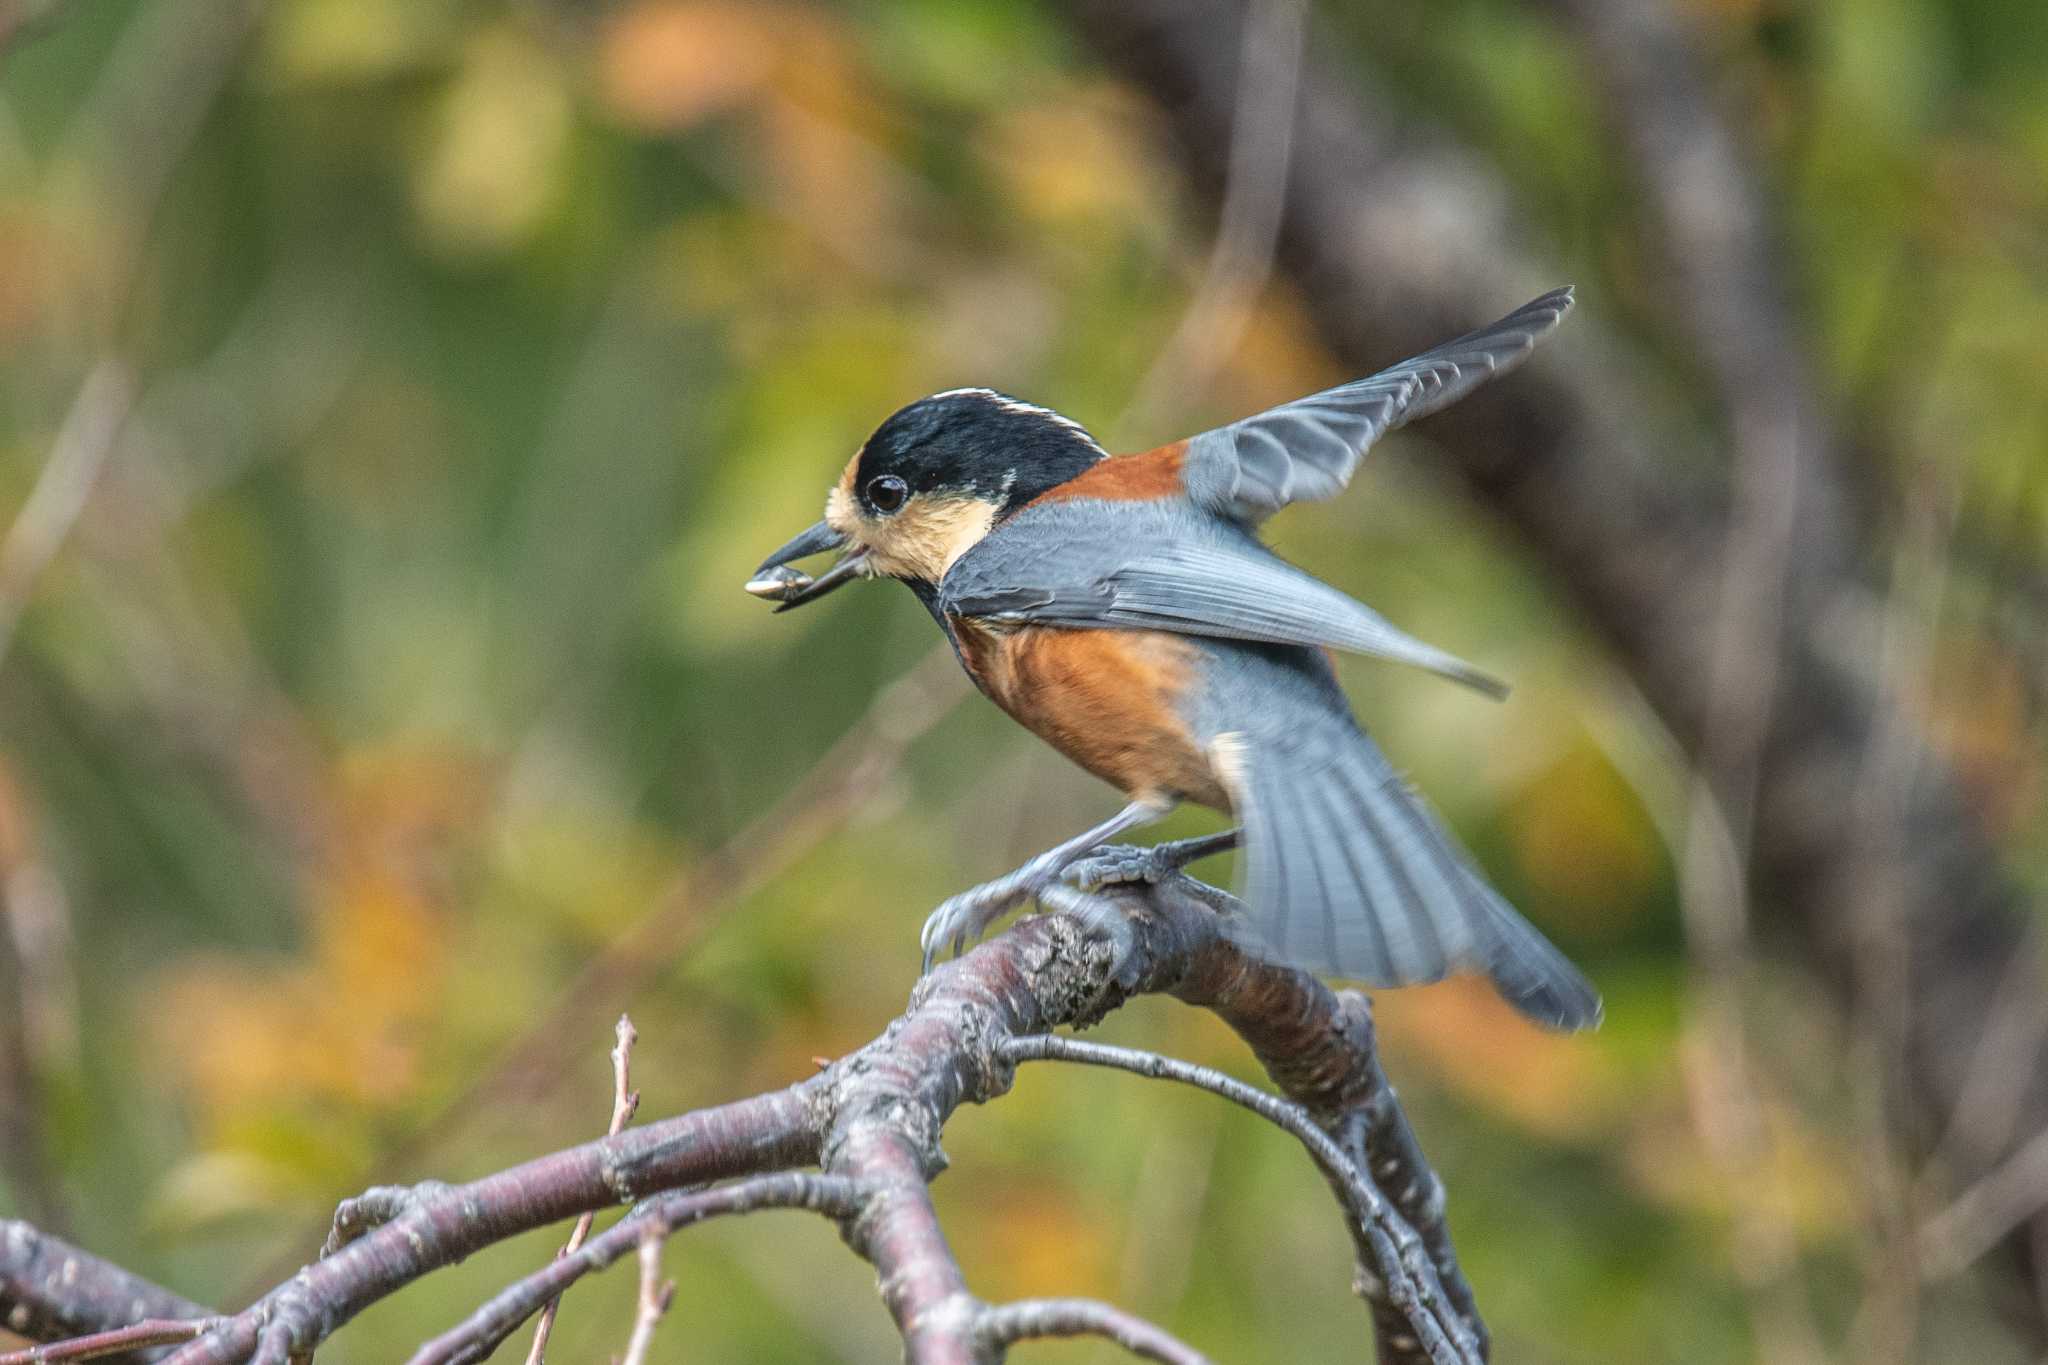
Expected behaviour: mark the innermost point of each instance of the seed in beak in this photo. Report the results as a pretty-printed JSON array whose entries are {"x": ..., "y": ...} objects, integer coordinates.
[{"x": 779, "y": 583}]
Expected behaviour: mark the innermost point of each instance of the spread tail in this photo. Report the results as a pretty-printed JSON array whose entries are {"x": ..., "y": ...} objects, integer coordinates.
[{"x": 1350, "y": 876}]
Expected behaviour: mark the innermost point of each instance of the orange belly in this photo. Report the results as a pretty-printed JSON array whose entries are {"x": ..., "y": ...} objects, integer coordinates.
[{"x": 1107, "y": 699}]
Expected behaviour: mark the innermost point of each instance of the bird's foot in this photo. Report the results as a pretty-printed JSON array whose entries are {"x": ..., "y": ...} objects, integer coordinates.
[
  {"x": 963, "y": 918},
  {"x": 1121, "y": 864},
  {"x": 1117, "y": 865}
]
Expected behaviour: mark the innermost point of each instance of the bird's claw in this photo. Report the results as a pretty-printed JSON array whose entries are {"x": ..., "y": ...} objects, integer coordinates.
[{"x": 963, "y": 918}]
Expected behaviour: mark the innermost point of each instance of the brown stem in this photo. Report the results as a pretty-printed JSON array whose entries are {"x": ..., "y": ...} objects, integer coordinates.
[{"x": 120, "y": 1340}]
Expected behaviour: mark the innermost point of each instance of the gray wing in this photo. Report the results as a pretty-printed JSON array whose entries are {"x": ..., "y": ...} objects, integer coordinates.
[
  {"x": 1307, "y": 450},
  {"x": 1227, "y": 588}
]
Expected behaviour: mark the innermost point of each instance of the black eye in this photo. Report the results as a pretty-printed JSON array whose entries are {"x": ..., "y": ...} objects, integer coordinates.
[{"x": 887, "y": 492}]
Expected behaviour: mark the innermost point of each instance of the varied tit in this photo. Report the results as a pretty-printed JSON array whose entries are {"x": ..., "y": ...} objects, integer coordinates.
[{"x": 1124, "y": 609}]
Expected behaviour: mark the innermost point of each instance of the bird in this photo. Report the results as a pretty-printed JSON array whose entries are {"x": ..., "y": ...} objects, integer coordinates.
[{"x": 1125, "y": 610}]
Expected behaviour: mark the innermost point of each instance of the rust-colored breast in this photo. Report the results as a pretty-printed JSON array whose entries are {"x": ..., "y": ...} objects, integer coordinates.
[
  {"x": 1110, "y": 700},
  {"x": 1126, "y": 478}
]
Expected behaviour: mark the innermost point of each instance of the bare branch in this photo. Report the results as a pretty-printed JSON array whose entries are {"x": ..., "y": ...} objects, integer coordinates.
[
  {"x": 432, "y": 1229},
  {"x": 474, "y": 1338},
  {"x": 50, "y": 1290},
  {"x": 97, "y": 1345},
  {"x": 655, "y": 1294},
  {"x": 1406, "y": 1281},
  {"x": 1005, "y": 1324},
  {"x": 625, "y": 1102},
  {"x": 872, "y": 1120}
]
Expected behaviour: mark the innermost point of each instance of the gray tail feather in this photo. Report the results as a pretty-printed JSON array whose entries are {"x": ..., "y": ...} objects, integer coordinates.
[{"x": 1350, "y": 876}]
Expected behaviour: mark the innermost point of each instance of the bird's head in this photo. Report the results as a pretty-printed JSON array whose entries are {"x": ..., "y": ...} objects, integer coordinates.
[{"x": 928, "y": 484}]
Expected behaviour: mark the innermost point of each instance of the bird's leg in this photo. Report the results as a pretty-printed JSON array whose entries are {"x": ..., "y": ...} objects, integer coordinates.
[
  {"x": 966, "y": 915},
  {"x": 1114, "y": 864}
]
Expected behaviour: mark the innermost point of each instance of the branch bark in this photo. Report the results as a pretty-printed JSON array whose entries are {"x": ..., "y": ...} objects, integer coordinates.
[
  {"x": 51, "y": 1290},
  {"x": 1398, "y": 237}
]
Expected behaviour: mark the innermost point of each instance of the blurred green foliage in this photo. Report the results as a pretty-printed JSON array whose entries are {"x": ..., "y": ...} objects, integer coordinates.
[{"x": 396, "y": 665}]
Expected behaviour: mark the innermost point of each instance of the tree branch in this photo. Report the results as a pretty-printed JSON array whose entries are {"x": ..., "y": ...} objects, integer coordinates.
[
  {"x": 474, "y": 1338},
  {"x": 50, "y": 1290},
  {"x": 442, "y": 1224},
  {"x": 872, "y": 1121}
]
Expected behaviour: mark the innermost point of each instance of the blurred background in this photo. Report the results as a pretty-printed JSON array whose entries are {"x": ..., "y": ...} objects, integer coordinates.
[{"x": 396, "y": 392}]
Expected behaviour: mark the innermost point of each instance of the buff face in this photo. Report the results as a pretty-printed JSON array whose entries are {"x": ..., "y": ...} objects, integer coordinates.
[{"x": 921, "y": 539}]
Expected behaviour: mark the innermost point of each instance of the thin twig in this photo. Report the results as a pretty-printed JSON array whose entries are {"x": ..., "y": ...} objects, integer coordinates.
[
  {"x": 655, "y": 1295},
  {"x": 87, "y": 437},
  {"x": 1407, "y": 1278},
  {"x": 472, "y": 1339},
  {"x": 134, "y": 1337},
  {"x": 625, "y": 1102},
  {"x": 1003, "y": 1325}
]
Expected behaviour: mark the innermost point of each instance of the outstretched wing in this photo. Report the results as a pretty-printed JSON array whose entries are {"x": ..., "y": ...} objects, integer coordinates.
[
  {"x": 1104, "y": 566},
  {"x": 1306, "y": 450}
]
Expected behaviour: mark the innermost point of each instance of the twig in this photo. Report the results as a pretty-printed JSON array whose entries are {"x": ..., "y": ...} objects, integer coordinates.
[
  {"x": 1443, "y": 1334},
  {"x": 473, "y": 1338},
  {"x": 625, "y": 1101},
  {"x": 364, "y": 1213},
  {"x": 134, "y": 1337},
  {"x": 655, "y": 1294},
  {"x": 88, "y": 436},
  {"x": 1005, "y": 1324}
]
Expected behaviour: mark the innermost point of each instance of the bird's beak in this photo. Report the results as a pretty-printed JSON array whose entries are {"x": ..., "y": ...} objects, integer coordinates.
[{"x": 779, "y": 583}]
